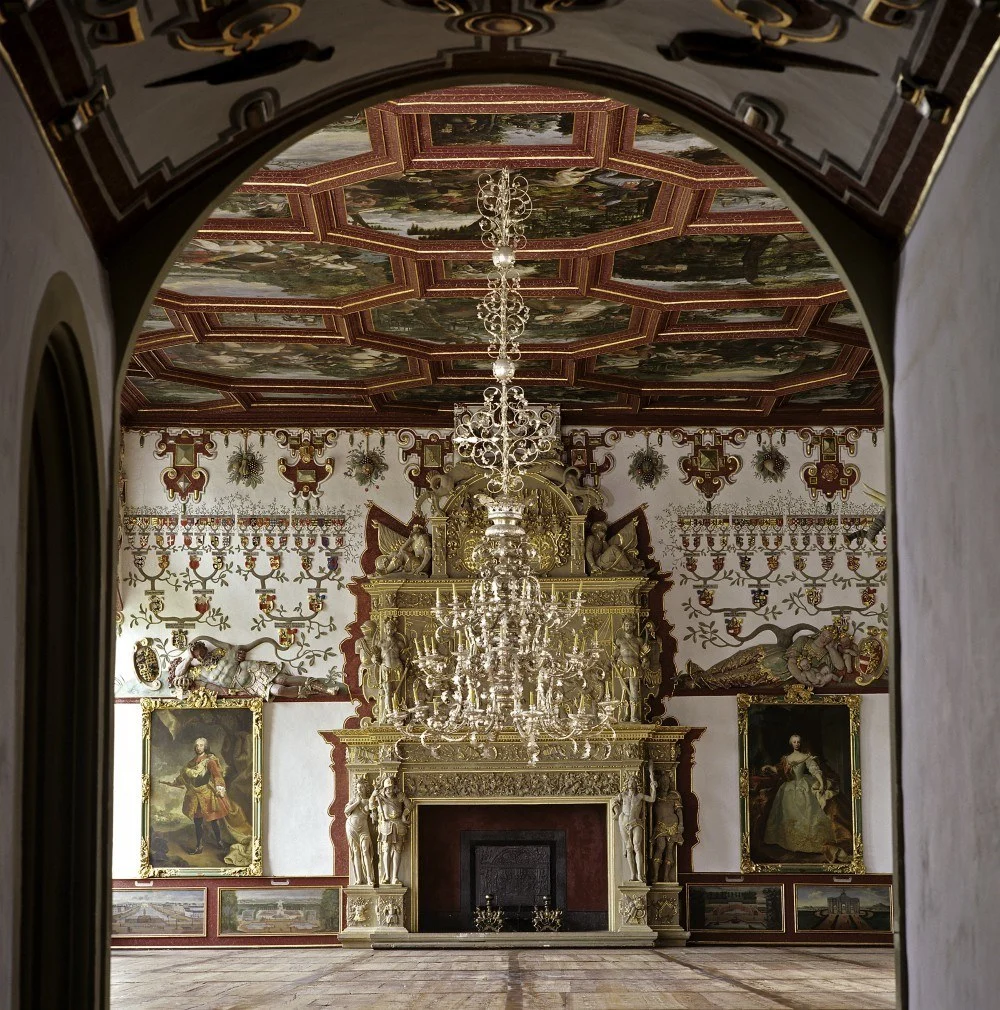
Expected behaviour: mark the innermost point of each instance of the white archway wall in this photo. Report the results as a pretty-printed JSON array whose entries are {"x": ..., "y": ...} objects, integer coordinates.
[
  {"x": 946, "y": 415},
  {"x": 40, "y": 235}
]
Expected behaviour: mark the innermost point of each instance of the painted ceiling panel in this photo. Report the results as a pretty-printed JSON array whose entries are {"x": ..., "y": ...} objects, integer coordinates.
[
  {"x": 722, "y": 360},
  {"x": 454, "y": 320},
  {"x": 246, "y": 362},
  {"x": 712, "y": 262},
  {"x": 249, "y": 268},
  {"x": 654, "y": 265}
]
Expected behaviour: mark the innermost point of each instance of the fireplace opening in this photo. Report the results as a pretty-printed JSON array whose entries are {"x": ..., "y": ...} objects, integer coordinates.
[{"x": 517, "y": 853}]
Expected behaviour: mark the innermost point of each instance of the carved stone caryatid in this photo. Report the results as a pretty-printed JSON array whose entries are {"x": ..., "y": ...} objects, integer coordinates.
[
  {"x": 391, "y": 807},
  {"x": 629, "y": 807},
  {"x": 636, "y": 664},
  {"x": 618, "y": 554},
  {"x": 358, "y": 827},
  {"x": 668, "y": 830},
  {"x": 409, "y": 557},
  {"x": 391, "y": 666}
]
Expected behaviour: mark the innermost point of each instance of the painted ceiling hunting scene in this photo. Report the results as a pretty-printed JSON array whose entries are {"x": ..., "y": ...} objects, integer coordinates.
[{"x": 666, "y": 283}]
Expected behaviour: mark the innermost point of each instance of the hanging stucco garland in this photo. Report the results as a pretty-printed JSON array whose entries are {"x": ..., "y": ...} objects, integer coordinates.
[
  {"x": 769, "y": 462},
  {"x": 365, "y": 464},
  {"x": 246, "y": 465},
  {"x": 647, "y": 466}
]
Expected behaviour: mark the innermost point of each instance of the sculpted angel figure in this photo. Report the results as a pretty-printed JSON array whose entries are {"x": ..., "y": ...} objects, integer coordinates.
[
  {"x": 629, "y": 807},
  {"x": 668, "y": 832},
  {"x": 358, "y": 826},
  {"x": 404, "y": 555},
  {"x": 225, "y": 668},
  {"x": 391, "y": 807},
  {"x": 617, "y": 555}
]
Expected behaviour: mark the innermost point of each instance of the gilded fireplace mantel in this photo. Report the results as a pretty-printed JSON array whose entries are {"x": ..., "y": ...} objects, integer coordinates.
[{"x": 458, "y": 773}]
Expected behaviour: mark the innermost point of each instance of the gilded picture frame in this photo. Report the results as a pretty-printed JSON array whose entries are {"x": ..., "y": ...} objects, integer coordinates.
[
  {"x": 206, "y": 820},
  {"x": 741, "y": 922},
  {"x": 304, "y": 910},
  {"x": 800, "y": 783},
  {"x": 875, "y": 912}
]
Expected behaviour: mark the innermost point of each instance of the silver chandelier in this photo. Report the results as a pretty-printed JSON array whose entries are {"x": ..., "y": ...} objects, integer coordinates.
[{"x": 509, "y": 656}]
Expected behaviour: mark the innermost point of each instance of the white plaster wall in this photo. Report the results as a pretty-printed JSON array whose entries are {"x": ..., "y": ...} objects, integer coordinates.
[
  {"x": 947, "y": 479},
  {"x": 715, "y": 780},
  {"x": 298, "y": 788},
  {"x": 40, "y": 235},
  {"x": 299, "y": 784}
]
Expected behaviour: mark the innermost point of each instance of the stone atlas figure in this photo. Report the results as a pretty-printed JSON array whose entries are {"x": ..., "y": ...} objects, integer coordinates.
[
  {"x": 358, "y": 827},
  {"x": 668, "y": 832},
  {"x": 391, "y": 807},
  {"x": 629, "y": 807}
]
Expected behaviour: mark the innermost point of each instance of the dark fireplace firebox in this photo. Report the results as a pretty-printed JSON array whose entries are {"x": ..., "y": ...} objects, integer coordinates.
[{"x": 517, "y": 867}]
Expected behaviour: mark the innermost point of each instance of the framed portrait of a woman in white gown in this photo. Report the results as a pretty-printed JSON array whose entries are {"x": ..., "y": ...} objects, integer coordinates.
[{"x": 800, "y": 783}]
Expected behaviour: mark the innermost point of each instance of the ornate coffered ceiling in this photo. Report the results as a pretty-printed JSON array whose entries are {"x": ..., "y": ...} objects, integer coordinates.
[
  {"x": 666, "y": 284},
  {"x": 138, "y": 98}
]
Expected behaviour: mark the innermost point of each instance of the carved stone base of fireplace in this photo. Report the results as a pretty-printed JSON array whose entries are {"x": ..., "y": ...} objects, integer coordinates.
[
  {"x": 663, "y": 903},
  {"x": 371, "y": 910},
  {"x": 633, "y": 910}
]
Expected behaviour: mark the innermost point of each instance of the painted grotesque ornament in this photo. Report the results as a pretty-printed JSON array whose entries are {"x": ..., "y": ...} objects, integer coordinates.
[{"x": 646, "y": 466}]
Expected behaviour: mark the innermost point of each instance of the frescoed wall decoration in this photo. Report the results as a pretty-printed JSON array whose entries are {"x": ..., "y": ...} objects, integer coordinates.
[
  {"x": 800, "y": 783},
  {"x": 202, "y": 787},
  {"x": 142, "y": 912},
  {"x": 279, "y": 911},
  {"x": 753, "y": 908},
  {"x": 843, "y": 908}
]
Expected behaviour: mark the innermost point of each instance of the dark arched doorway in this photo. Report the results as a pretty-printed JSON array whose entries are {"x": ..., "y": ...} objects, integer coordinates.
[{"x": 65, "y": 741}]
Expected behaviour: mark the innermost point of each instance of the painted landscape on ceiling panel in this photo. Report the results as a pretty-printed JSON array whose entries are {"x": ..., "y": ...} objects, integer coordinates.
[
  {"x": 454, "y": 320},
  {"x": 721, "y": 360},
  {"x": 513, "y": 130},
  {"x": 566, "y": 202},
  {"x": 284, "y": 361},
  {"x": 254, "y": 205},
  {"x": 174, "y": 394},
  {"x": 655, "y": 135},
  {"x": 345, "y": 138},
  {"x": 850, "y": 393},
  {"x": 255, "y": 268},
  {"x": 706, "y": 262},
  {"x": 271, "y": 320}
]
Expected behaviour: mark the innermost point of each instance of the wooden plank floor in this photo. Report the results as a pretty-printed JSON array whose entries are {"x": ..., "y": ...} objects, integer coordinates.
[{"x": 707, "y": 978}]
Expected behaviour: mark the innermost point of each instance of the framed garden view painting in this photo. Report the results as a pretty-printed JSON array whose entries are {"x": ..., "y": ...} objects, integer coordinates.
[
  {"x": 800, "y": 783},
  {"x": 201, "y": 787},
  {"x": 843, "y": 908},
  {"x": 279, "y": 911},
  {"x": 737, "y": 907},
  {"x": 142, "y": 912}
]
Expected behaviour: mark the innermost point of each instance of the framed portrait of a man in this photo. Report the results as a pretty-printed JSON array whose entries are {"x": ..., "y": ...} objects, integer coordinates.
[
  {"x": 800, "y": 783},
  {"x": 201, "y": 787}
]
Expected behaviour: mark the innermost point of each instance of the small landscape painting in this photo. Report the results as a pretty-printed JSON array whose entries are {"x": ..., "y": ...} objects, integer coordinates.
[
  {"x": 345, "y": 138},
  {"x": 750, "y": 908},
  {"x": 478, "y": 269},
  {"x": 203, "y": 764},
  {"x": 166, "y": 393},
  {"x": 491, "y": 128},
  {"x": 706, "y": 262},
  {"x": 271, "y": 320},
  {"x": 454, "y": 320},
  {"x": 742, "y": 201},
  {"x": 253, "y": 360},
  {"x": 249, "y": 268},
  {"x": 843, "y": 908},
  {"x": 157, "y": 319},
  {"x": 847, "y": 394},
  {"x": 751, "y": 314},
  {"x": 279, "y": 911},
  {"x": 658, "y": 136},
  {"x": 566, "y": 202},
  {"x": 254, "y": 205},
  {"x": 157, "y": 912},
  {"x": 721, "y": 360}
]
